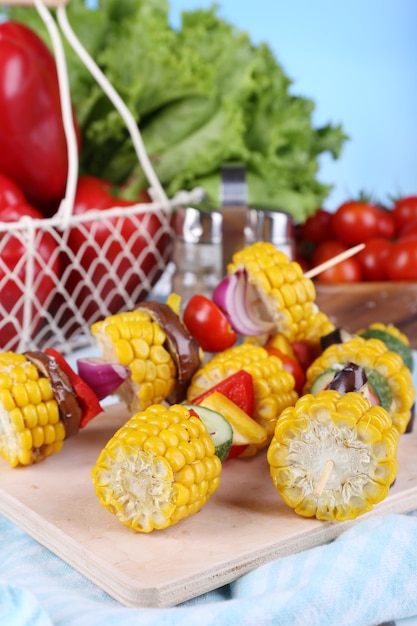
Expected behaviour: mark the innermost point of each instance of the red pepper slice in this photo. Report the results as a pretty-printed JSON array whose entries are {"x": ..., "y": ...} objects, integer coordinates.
[
  {"x": 238, "y": 387},
  {"x": 88, "y": 400}
]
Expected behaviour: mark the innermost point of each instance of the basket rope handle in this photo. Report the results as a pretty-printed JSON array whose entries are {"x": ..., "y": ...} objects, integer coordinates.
[{"x": 66, "y": 207}]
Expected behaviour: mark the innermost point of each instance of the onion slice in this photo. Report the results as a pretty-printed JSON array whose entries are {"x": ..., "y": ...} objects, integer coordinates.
[
  {"x": 236, "y": 297},
  {"x": 104, "y": 378}
]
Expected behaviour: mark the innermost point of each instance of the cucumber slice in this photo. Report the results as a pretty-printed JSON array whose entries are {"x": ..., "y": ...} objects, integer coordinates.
[
  {"x": 393, "y": 343},
  {"x": 323, "y": 380},
  {"x": 380, "y": 387},
  {"x": 376, "y": 382},
  {"x": 218, "y": 428}
]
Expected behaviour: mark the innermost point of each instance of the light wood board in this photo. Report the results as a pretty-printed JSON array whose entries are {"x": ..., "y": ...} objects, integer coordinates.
[{"x": 244, "y": 525}]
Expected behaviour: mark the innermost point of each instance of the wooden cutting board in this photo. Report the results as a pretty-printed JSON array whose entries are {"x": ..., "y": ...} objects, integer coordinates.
[{"x": 244, "y": 525}]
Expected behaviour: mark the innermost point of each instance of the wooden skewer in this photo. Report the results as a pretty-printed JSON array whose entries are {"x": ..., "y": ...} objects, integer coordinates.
[
  {"x": 334, "y": 261},
  {"x": 323, "y": 478}
]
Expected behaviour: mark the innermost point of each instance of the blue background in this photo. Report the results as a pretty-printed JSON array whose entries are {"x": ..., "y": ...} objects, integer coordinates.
[{"x": 357, "y": 61}]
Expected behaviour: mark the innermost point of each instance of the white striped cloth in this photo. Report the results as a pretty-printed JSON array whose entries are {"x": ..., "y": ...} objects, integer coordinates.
[{"x": 366, "y": 577}]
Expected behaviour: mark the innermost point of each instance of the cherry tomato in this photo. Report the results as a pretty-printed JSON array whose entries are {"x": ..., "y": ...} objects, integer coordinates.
[
  {"x": 408, "y": 232},
  {"x": 373, "y": 259},
  {"x": 387, "y": 227},
  {"x": 305, "y": 353},
  {"x": 291, "y": 365},
  {"x": 405, "y": 211},
  {"x": 318, "y": 226},
  {"x": 347, "y": 271},
  {"x": 402, "y": 261},
  {"x": 208, "y": 324},
  {"x": 355, "y": 222},
  {"x": 327, "y": 250}
]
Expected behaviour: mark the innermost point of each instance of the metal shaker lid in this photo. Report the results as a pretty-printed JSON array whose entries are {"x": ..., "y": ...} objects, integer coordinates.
[
  {"x": 195, "y": 226},
  {"x": 276, "y": 227}
]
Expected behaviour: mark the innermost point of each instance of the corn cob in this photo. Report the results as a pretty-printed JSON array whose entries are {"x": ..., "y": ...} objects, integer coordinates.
[
  {"x": 30, "y": 425},
  {"x": 134, "y": 339},
  {"x": 333, "y": 456},
  {"x": 283, "y": 295},
  {"x": 273, "y": 385},
  {"x": 393, "y": 337},
  {"x": 157, "y": 469},
  {"x": 371, "y": 354}
]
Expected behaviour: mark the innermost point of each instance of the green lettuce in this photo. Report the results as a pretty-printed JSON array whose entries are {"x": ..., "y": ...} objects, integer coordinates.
[{"x": 203, "y": 95}]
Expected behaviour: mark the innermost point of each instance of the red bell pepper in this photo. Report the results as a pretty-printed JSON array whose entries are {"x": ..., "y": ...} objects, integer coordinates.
[
  {"x": 115, "y": 263},
  {"x": 238, "y": 387},
  {"x": 86, "y": 397},
  {"x": 14, "y": 267},
  {"x": 33, "y": 147}
]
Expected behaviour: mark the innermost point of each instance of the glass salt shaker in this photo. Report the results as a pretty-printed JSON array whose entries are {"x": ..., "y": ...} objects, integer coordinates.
[{"x": 197, "y": 253}]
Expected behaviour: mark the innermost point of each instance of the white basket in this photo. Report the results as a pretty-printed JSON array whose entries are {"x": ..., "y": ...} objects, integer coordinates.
[{"x": 59, "y": 310}]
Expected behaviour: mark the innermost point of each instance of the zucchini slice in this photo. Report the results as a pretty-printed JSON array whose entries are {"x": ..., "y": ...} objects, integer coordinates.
[{"x": 218, "y": 428}]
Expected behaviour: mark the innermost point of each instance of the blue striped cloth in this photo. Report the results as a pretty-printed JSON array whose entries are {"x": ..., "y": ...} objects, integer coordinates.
[{"x": 366, "y": 577}]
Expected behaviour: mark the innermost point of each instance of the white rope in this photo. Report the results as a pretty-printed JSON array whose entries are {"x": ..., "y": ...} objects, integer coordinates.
[
  {"x": 67, "y": 204},
  {"x": 118, "y": 104}
]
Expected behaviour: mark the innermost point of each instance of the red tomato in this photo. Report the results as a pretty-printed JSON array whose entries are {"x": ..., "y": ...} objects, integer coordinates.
[
  {"x": 327, "y": 250},
  {"x": 408, "y": 232},
  {"x": 405, "y": 211},
  {"x": 14, "y": 268},
  {"x": 355, "y": 222},
  {"x": 208, "y": 324},
  {"x": 347, "y": 271},
  {"x": 373, "y": 259},
  {"x": 387, "y": 227},
  {"x": 116, "y": 263},
  {"x": 291, "y": 365},
  {"x": 317, "y": 227},
  {"x": 305, "y": 353},
  {"x": 402, "y": 261}
]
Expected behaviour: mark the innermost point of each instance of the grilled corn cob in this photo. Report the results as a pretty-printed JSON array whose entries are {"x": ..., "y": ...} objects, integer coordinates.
[
  {"x": 273, "y": 385},
  {"x": 135, "y": 340},
  {"x": 157, "y": 469},
  {"x": 393, "y": 337},
  {"x": 371, "y": 355},
  {"x": 333, "y": 456},
  {"x": 30, "y": 425},
  {"x": 280, "y": 292}
]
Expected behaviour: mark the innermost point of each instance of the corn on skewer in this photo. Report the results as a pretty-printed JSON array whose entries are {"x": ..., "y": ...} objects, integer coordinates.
[
  {"x": 31, "y": 428},
  {"x": 273, "y": 385},
  {"x": 135, "y": 340},
  {"x": 371, "y": 354},
  {"x": 333, "y": 456},
  {"x": 159, "y": 468},
  {"x": 278, "y": 297},
  {"x": 157, "y": 348}
]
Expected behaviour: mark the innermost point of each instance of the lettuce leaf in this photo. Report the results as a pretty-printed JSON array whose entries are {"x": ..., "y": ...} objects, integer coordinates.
[{"x": 202, "y": 95}]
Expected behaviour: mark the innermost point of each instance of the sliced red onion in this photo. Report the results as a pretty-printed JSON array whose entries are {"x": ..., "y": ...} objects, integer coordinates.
[
  {"x": 104, "y": 378},
  {"x": 235, "y": 297}
]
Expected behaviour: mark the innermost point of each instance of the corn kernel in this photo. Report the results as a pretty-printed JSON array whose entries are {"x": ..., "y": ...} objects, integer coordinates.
[
  {"x": 155, "y": 445},
  {"x": 38, "y": 436}
]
